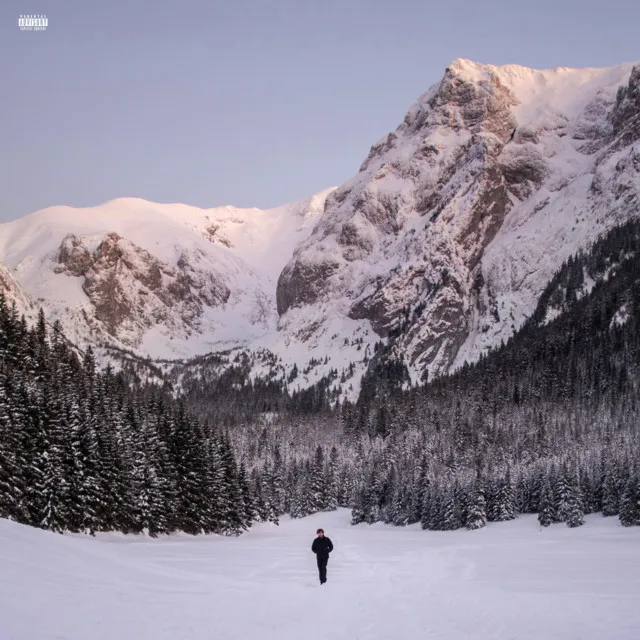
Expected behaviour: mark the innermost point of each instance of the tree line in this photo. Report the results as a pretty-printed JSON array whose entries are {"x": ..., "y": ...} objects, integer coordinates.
[
  {"x": 86, "y": 450},
  {"x": 545, "y": 424}
]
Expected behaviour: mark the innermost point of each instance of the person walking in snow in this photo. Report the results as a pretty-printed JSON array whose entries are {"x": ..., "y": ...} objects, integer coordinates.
[{"x": 322, "y": 547}]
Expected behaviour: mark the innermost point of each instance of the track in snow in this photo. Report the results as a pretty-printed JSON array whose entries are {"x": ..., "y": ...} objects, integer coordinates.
[{"x": 506, "y": 581}]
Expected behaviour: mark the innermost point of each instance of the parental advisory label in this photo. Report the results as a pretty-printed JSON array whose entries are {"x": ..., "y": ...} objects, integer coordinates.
[{"x": 37, "y": 22}]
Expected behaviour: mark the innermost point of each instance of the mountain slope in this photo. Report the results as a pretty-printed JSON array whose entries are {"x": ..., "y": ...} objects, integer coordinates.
[
  {"x": 166, "y": 280},
  {"x": 457, "y": 220},
  {"x": 445, "y": 239}
]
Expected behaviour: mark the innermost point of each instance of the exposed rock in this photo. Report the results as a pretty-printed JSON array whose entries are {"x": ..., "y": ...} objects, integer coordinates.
[
  {"x": 160, "y": 280},
  {"x": 524, "y": 168},
  {"x": 74, "y": 258},
  {"x": 213, "y": 233},
  {"x": 131, "y": 290},
  {"x": 302, "y": 283},
  {"x": 12, "y": 292},
  {"x": 478, "y": 107},
  {"x": 366, "y": 217},
  {"x": 626, "y": 113}
]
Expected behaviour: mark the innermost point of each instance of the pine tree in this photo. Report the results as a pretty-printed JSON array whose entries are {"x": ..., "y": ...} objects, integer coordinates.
[
  {"x": 451, "y": 517},
  {"x": 374, "y": 488},
  {"x": 546, "y": 514},
  {"x": 477, "y": 512},
  {"x": 279, "y": 491},
  {"x": 261, "y": 513},
  {"x": 574, "y": 510},
  {"x": 11, "y": 461},
  {"x": 561, "y": 496},
  {"x": 267, "y": 488},
  {"x": 629, "y": 507},
  {"x": 331, "y": 482},
  {"x": 505, "y": 507},
  {"x": 218, "y": 488},
  {"x": 417, "y": 492},
  {"x": 611, "y": 494},
  {"x": 86, "y": 450},
  {"x": 54, "y": 490},
  {"x": 234, "y": 517},
  {"x": 299, "y": 503},
  {"x": 397, "y": 512},
  {"x": 317, "y": 486},
  {"x": 358, "y": 512},
  {"x": 151, "y": 511},
  {"x": 248, "y": 514}
]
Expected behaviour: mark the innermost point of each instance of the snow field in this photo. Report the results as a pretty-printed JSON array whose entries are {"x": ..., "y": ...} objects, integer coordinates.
[{"x": 507, "y": 581}]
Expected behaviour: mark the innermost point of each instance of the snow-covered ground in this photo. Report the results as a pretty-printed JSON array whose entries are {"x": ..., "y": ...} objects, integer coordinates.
[{"x": 509, "y": 580}]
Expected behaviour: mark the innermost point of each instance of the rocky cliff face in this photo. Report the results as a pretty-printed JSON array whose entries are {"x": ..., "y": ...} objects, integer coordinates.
[
  {"x": 456, "y": 221},
  {"x": 131, "y": 291},
  {"x": 12, "y": 292}
]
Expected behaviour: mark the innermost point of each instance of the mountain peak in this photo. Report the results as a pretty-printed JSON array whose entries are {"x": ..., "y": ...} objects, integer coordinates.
[
  {"x": 463, "y": 66},
  {"x": 458, "y": 218},
  {"x": 562, "y": 91}
]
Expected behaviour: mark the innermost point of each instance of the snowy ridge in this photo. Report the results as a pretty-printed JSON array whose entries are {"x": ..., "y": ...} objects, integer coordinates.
[
  {"x": 543, "y": 93},
  {"x": 445, "y": 239},
  {"x": 186, "y": 280}
]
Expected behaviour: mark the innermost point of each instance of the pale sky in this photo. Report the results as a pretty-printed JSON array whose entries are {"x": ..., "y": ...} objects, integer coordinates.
[{"x": 248, "y": 102}]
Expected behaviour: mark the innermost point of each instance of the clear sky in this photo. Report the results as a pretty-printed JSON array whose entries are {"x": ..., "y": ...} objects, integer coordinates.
[{"x": 248, "y": 102}]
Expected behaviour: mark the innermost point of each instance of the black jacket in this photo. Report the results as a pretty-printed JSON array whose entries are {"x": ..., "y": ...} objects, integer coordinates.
[{"x": 322, "y": 547}]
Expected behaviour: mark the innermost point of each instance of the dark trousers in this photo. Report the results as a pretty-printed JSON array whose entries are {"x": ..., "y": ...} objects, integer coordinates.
[{"x": 322, "y": 568}]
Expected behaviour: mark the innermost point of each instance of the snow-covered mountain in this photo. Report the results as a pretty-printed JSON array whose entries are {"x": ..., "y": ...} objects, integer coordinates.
[
  {"x": 445, "y": 238},
  {"x": 165, "y": 280},
  {"x": 458, "y": 219}
]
